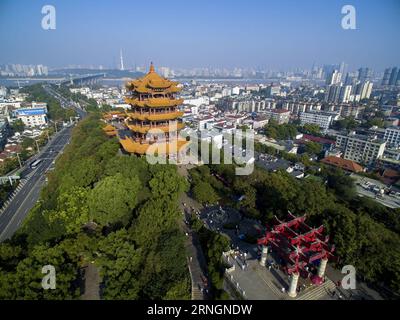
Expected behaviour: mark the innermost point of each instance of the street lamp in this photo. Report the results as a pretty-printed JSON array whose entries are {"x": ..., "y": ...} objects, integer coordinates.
[
  {"x": 37, "y": 145},
  {"x": 19, "y": 160}
]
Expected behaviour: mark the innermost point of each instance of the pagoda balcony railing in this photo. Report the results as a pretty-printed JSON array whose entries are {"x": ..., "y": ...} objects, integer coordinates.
[
  {"x": 164, "y": 128},
  {"x": 154, "y": 102},
  {"x": 155, "y": 116},
  {"x": 151, "y": 90}
]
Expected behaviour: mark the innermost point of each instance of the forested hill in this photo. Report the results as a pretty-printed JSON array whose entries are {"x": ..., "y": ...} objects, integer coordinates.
[{"x": 103, "y": 207}]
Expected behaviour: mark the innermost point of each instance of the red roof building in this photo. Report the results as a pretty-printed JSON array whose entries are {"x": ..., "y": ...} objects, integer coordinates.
[{"x": 344, "y": 164}]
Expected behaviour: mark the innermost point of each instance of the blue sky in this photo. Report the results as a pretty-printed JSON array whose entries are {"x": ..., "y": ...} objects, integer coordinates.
[{"x": 217, "y": 33}]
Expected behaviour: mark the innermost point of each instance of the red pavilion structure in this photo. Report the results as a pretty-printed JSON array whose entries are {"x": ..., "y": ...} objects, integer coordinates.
[{"x": 299, "y": 246}]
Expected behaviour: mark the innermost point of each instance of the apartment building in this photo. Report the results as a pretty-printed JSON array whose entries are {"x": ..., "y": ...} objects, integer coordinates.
[
  {"x": 322, "y": 119},
  {"x": 360, "y": 148},
  {"x": 392, "y": 136},
  {"x": 279, "y": 115}
]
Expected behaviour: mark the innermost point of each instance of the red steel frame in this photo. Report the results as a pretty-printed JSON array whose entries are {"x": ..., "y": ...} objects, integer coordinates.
[{"x": 297, "y": 243}]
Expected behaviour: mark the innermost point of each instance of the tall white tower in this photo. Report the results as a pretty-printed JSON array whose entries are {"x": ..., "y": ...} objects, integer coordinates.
[{"x": 121, "y": 59}]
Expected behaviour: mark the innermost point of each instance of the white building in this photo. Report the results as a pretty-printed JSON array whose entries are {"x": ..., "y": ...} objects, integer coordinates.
[
  {"x": 32, "y": 117},
  {"x": 320, "y": 118},
  {"x": 203, "y": 100},
  {"x": 361, "y": 148},
  {"x": 334, "y": 78},
  {"x": 345, "y": 93},
  {"x": 35, "y": 105},
  {"x": 279, "y": 115},
  {"x": 365, "y": 90},
  {"x": 248, "y": 105},
  {"x": 202, "y": 122},
  {"x": 235, "y": 90},
  {"x": 392, "y": 136},
  {"x": 295, "y": 107}
]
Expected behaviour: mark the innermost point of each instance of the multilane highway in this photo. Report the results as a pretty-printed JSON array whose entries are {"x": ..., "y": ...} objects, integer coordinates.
[
  {"x": 17, "y": 210},
  {"x": 12, "y": 217}
]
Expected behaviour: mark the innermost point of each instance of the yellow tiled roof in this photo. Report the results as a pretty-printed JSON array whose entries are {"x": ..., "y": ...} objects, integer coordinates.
[
  {"x": 152, "y": 80},
  {"x": 131, "y": 146},
  {"x": 108, "y": 127}
]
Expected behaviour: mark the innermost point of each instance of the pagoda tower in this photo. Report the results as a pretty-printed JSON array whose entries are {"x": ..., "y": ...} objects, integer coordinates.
[{"x": 154, "y": 115}]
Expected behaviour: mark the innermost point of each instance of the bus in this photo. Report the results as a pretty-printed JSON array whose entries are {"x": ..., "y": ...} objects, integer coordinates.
[{"x": 35, "y": 163}]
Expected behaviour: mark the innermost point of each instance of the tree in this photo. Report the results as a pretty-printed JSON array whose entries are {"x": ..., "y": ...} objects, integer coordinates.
[
  {"x": 179, "y": 291},
  {"x": 280, "y": 131},
  {"x": 25, "y": 282},
  {"x": 119, "y": 263},
  {"x": 375, "y": 121},
  {"x": 113, "y": 199},
  {"x": 167, "y": 183},
  {"x": 341, "y": 223},
  {"x": 309, "y": 128},
  {"x": 18, "y": 126},
  {"x": 85, "y": 172},
  {"x": 155, "y": 216},
  {"x": 346, "y": 123},
  {"x": 165, "y": 266},
  {"x": 128, "y": 167},
  {"x": 72, "y": 210},
  {"x": 311, "y": 147},
  {"x": 342, "y": 184},
  {"x": 204, "y": 193}
]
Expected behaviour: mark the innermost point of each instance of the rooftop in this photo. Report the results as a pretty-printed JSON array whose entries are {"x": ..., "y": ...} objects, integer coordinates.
[
  {"x": 152, "y": 81},
  {"x": 31, "y": 111},
  {"x": 343, "y": 164}
]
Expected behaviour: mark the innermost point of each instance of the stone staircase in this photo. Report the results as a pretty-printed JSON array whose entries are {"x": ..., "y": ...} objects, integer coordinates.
[
  {"x": 197, "y": 294},
  {"x": 318, "y": 293},
  {"x": 271, "y": 285}
]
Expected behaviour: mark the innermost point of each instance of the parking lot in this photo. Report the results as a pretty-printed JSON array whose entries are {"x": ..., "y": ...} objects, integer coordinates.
[{"x": 377, "y": 191}]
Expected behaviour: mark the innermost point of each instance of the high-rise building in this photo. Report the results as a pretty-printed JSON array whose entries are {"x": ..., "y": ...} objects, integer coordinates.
[
  {"x": 364, "y": 74},
  {"x": 398, "y": 78},
  {"x": 365, "y": 90},
  {"x": 328, "y": 69},
  {"x": 334, "y": 78},
  {"x": 343, "y": 68},
  {"x": 332, "y": 93},
  {"x": 386, "y": 76},
  {"x": 345, "y": 92},
  {"x": 393, "y": 77}
]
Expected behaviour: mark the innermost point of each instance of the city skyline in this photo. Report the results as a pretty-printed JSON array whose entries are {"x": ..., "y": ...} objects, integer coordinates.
[{"x": 252, "y": 35}]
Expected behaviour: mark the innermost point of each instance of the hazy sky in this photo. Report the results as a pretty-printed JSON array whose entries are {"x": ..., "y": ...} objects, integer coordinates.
[{"x": 188, "y": 33}]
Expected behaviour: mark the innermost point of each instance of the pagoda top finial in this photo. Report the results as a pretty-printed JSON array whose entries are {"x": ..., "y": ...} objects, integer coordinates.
[{"x": 152, "y": 67}]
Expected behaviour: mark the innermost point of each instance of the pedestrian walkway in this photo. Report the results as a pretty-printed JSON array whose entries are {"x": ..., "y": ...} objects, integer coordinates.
[
  {"x": 92, "y": 283},
  {"x": 196, "y": 261}
]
